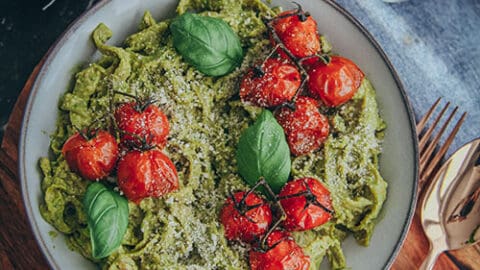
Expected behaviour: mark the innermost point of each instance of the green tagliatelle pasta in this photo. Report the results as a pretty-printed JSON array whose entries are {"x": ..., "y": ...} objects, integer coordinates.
[{"x": 206, "y": 118}]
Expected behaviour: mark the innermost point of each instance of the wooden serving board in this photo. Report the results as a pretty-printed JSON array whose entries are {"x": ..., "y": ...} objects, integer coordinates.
[{"x": 19, "y": 250}]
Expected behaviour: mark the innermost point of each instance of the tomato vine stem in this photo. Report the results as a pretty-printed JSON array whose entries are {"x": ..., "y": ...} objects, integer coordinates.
[
  {"x": 263, "y": 241},
  {"x": 89, "y": 132},
  {"x": 311, "y": 199},
  {"x": 297, "y": 61},
  {"x": 145, "y": 142},
  {"x": 309, "y": 196},
  {"x": 241, "y": 205},
  {"x": 141, "y": 103},
  {"x": 280, "y": 44}
]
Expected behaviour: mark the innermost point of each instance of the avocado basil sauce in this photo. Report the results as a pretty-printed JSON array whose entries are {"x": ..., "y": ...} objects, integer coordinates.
[{"x": 181, "y": 230}]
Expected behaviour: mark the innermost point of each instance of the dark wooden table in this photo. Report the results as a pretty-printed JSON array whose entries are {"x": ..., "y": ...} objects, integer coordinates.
[{"x": 19, "y": 250}]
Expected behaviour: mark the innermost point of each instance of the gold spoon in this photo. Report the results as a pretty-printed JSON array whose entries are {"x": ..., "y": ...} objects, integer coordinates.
[{"x": 450, "y": 214}]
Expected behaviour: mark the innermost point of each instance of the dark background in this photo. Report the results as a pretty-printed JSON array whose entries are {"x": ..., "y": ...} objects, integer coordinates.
[{"x": 27, "y": 30}]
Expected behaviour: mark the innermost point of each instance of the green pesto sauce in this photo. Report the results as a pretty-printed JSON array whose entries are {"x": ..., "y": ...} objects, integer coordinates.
[{"x": 181, "y": 230}]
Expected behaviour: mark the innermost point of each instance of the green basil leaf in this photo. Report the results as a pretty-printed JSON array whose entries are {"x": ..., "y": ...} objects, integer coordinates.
[
  {"x": 263, "y": 151},
  {"x": 107, "y": 214},
  {"x": 209, "y": 44}
]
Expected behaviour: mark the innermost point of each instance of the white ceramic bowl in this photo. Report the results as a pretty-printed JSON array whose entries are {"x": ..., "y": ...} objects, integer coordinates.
[{"x": 398, "y": 163}]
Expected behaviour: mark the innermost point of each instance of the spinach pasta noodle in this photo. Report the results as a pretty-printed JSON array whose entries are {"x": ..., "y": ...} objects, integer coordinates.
[{"x": 181, "y": 229}]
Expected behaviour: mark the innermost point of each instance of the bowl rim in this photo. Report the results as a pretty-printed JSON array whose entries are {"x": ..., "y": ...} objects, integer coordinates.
[
  {"x": 49, "y": 56},
  {"x": 411, "y": 118},
  {"x": 53, "y": 50}
]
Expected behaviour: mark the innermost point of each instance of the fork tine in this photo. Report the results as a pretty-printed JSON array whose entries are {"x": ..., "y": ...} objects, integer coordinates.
[
  {"x": 423, "y": 121},
  {"x": 477, "y": 247},
  {"x": 423, "y": 141},
  {"x": 431, "y": 146},
  {"x": 435, "y": 161}
]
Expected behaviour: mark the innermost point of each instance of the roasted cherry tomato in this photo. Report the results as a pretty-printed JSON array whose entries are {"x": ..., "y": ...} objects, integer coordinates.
[
  {"x": 298, "y": 33},
  {"x": 282, "y": 253},
  {"x": 147, "y": 173},
  {"x": 307, "y": 204},
  {"x": 245, "y": 219},
  {"x": 92, "y": 158},
  {"x": 274, "y": 83},
  {"x": 305, "y": 127},
  {"x": 336, "y": 82},
  {"x": 138, "y": 122}
]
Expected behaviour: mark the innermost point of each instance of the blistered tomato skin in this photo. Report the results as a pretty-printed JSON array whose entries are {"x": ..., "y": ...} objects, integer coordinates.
[
  {"x": 94, "y": 158},
  {"x": 277, "y": 84},
  {"x": 336, "y": 82},
  {"x": 283, "y": 253},
  {"x": 300, "y": 37},
  {"x": 304, "y": 212},
  {"x": 136, "y": 124},
  {"x": 147, "y": 173},
  {"x": 305, "y": 127},
  {"x": 250, "y": 225}
]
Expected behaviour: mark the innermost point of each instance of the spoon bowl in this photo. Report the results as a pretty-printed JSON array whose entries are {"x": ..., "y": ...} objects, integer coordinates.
[{"x": 449, "y": 213}]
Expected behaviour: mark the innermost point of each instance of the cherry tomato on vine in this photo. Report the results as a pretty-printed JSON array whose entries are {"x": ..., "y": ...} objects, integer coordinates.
[
  {"x": 93, "y": 158},
  {"x": 307, "y": 204},
  {"x": 305, "y": 127},
  {"x": 148, "y": 173},
  {"x": 282, "y": 253},
  {"x": 276, "y": 83},
  {"x": 336, "y": 82},
  {"x": 245, "y": 219},
  {"x": 138, "y": 122},
  {"x": 298, "y": 33}
]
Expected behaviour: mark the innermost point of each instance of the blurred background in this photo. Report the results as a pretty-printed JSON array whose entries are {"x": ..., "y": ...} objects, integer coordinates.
[
  {"x": 27, "y": 29},
  {"x": 433, "y": 44}
]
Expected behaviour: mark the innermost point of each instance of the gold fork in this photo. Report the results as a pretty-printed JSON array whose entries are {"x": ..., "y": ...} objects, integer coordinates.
[{"x": 428, "y": 142}]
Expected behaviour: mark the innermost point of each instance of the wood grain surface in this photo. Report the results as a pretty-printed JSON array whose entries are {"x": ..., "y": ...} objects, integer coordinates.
[{"x": 19, "y": 250}]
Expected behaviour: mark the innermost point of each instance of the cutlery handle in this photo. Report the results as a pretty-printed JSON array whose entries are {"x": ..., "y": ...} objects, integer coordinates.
[{"x": 429, "y": 261}]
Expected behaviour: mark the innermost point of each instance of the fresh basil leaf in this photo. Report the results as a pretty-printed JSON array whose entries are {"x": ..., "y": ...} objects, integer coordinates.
[
  {"x": 107, "y": 214},
  {"x": 263, "y": 151},
  {"x": 209, "y": 44}
]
